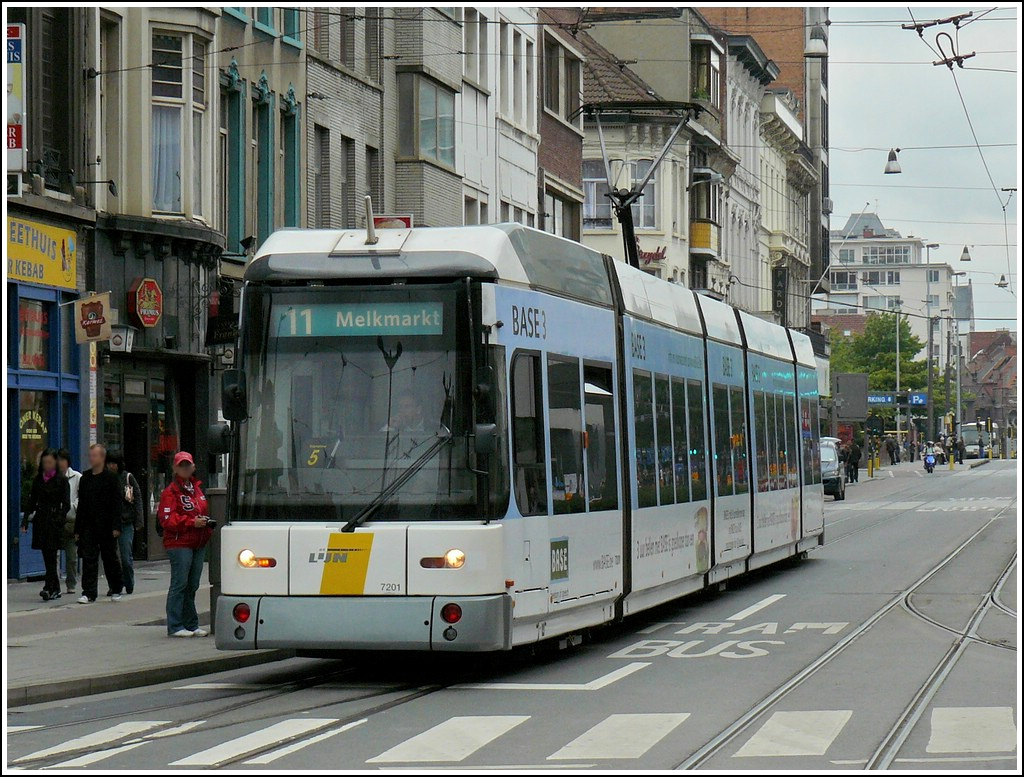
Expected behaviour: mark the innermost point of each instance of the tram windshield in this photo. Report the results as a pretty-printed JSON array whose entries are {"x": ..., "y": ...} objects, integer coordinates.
[{"x": 353, "y": 393}]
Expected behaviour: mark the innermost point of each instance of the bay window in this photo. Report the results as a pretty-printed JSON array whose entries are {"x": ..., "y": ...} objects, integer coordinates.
[
  {"x": 428, "y": 129},
  {"x": 179, "y": 144}
]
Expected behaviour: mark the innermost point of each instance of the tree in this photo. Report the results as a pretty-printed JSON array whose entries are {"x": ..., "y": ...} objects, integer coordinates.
[{"x": 874, "y": 351}]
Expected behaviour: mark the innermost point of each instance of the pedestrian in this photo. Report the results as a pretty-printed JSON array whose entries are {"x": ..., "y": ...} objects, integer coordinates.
[
  {"x": 131, "y": 517},
  {"x": 961, "y": 450},
  {"x": 70, "y": 547},
  {"x": 853, "y": 462},
  {"x": 890, "y": 447},
  {"x": 48, "y": 505},
  {"x": 184, "y": 516},
  {"x": 98, "y": 525}
]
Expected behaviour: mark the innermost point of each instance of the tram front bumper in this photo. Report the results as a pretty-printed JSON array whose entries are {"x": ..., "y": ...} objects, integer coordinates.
[{"x": 364, "y": 623}]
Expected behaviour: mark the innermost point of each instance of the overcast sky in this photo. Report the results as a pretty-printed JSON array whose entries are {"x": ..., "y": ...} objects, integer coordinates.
[{"x": 878, "y": 103}]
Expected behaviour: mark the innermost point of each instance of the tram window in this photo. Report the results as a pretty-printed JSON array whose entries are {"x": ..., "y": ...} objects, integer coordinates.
[
  {"x": 760, "y": 429},
  {"x": 723, "y": 442},
  {"x": 781, "y": 424},
  {"x": 680, "y": 467},
  {"x": 816, "y": 438},
  {"x": 601, "y": 440},
  {"x": 792, "y": 444},
  {"x": 531, "y": 485},
  {"x": 568, "y": 480},
  {"x": 772, "y": 441},
  {"x": 643, "y": 413},
  {"x": 663, "y": 422},
  {"x": 698, "y": 445},
  {"x": 739, "y": 442}
]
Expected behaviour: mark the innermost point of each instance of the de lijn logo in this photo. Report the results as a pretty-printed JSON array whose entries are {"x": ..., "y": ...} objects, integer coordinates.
[{"x": 560, "y": 558}]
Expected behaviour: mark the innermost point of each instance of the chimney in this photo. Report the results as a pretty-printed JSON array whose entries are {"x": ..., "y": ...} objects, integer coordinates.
[{"x": 869, "y": 232}]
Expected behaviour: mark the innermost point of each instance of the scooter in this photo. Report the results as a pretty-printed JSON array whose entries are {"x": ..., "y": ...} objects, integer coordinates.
[{"x": 929, "y": 463}]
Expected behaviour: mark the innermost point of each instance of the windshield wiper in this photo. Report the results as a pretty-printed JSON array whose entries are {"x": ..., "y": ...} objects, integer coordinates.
[{"x": 363, "y": 515}]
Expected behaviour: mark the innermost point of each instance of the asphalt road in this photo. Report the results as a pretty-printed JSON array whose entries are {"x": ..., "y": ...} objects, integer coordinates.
[{"x": 892, "y": 646}]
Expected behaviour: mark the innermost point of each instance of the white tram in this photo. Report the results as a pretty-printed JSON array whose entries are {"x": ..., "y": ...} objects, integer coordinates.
[{"x": 481, "y": 437}]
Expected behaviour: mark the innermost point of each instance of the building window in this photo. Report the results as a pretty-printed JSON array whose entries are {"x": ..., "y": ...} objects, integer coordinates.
[
  {"x": 561, "y": 81},
  {"x": 291, "y": 155},
  {"x": 882, "y": 302},
  {"x": 886, "y": 254},
  {"x": 933, "y": 276},
  {"x": 53, "y": 97},
  {"x": 518, "y": 75},
  {"x": 847, "y": 255},
  {"x": 265, "y": 16},
  {"x": 321, "y": 177},
  {"x": 291, "y": 23},
  {"x": 110, "y": 105},
  {"x": 178, "y": 151},
  {"x": 371, "y": 43},
  {"x": 347, "y": 181},
  {"x": 597, "y": 208},
  {"x": 428, "y": 129},
  {"x": 504, "y": 67},
  {"x": 373, "y": 178},
  {"x": 698, "y": 273},
  {"x": 704, "y": 74},
  {"x": 881, "y": 278},
  {"x": 474, "y": 36},
  {"x": 321, "y": 31},
  {"x": 645, "y": 210},
  {"x": 263, "y": 140},
  {"x": 933, "y": 300},
  {"x": 231, "y": 150},
  {"x": 561, "y": 216},
  {"x": 844, "y": 281}
]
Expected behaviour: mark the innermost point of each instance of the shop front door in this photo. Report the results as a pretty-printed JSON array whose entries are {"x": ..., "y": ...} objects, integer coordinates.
[{"x": 136, "y": 458}]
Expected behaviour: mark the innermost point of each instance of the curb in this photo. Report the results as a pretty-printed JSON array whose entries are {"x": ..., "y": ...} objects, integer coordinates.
[
  {"x": 980, "y": 463},
  {"x": 19, "y": 696}
]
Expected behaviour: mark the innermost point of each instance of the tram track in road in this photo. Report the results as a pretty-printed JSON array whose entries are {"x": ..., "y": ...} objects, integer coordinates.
[{"x": 742, "y": 724}]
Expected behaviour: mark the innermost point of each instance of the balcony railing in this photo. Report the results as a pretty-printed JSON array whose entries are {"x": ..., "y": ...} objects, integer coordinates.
[{"x": 704, "y": 237}]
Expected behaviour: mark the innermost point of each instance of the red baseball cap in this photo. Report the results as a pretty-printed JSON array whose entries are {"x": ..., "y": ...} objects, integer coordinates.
[{"x": 183, "y": 456}]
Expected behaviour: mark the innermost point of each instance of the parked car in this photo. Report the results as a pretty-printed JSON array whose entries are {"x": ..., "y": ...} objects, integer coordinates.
[{"x": 833, "y": 473}]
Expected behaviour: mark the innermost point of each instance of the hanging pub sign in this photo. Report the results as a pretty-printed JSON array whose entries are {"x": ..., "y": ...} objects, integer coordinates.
[
  {"x": 145, "y": 302},
  {"x": 92, "y": 318}
]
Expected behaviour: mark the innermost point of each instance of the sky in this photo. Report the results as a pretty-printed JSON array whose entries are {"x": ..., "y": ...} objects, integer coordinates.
[{"x": 943, "y": 195}]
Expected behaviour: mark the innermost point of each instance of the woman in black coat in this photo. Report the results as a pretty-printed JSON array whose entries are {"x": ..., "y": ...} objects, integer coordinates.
[{"x": 47, "y": 509}]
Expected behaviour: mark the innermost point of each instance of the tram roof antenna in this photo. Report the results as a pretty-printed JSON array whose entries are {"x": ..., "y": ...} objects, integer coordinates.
[
  {"x": 371, "y": 232},
  {"x": 643, "y": 111}
]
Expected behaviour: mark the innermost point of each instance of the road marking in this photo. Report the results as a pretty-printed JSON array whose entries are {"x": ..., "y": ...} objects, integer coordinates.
[
  {"x": 97, "y": 738},
  {"x": 627, "y": 735},
  {"x": 174, "y": 731},
  {"x": 95, "y": 757},
  {"x": 756, "y": 607},
  {"x": 972, "y": 730},
  {"x": 658, "y": 627},
  {"x": 954, "y": 759},
  {"x": 454, "y": 740},
  {"x": 796, "y": 733},
  {"x": 273, "y": 755},
  {"x": 257, "y": 740},
  {"x": 219, "y": 687},
  {"x": 16, "y": 729},
  {"x": 593, "y": 685}
]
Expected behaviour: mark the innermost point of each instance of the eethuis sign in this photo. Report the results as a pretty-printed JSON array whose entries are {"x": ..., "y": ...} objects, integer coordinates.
[{"x": 39, "y": 253}]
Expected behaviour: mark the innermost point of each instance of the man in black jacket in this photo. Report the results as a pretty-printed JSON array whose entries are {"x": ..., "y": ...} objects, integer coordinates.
[{"x": 98, "y": 525}]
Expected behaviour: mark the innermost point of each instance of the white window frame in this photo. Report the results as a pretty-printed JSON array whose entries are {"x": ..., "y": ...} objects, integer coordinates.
[
  {"x": 567, "y": 70},
  {"x": 646, "y": 213},
  {"x": 195, "y": 109},
  {"x": 595, "y": 184},
  {"x": 414, "y": 114},
  {"x": 475, "y": 48}
]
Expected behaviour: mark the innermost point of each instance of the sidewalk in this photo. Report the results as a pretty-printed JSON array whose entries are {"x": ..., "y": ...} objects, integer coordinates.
[{"x": 62, "y": 649}]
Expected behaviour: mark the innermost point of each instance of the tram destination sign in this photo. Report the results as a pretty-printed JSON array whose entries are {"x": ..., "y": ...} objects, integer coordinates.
[{"x": 355, "y": 319}]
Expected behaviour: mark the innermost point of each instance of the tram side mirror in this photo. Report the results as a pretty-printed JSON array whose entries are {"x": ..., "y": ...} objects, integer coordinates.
[
  {"x": 485, "y": 438},
  {"x": 218, "y": 439},
  {"x": 232, "y": 396}
]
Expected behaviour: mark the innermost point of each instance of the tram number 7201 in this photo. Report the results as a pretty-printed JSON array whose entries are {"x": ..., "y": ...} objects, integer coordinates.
[{"x": 638, "y": 346}]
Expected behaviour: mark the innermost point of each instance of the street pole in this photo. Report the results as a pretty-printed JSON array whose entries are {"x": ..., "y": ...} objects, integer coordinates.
[
  {"x": 899, "y": 415},
  {"x": 931, "y": 403},
  {"x": 946, "y": 406},
  {"x": 959, "y": 370}
]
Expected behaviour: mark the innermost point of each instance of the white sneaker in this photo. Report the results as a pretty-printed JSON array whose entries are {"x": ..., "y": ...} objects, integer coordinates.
[
  {"x": 83, "y": 599},
  {"x": 181, "y": 633},
  {"x": 115, "y": 597},
  {"x": 200, "y": 632}
]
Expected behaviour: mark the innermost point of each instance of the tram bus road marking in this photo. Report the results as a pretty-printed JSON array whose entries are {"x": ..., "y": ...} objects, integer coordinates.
[
  {"x": 257, "y": 740},
  {"x": 594, "y": 685},
  {"x": 659, "y": 626},
  {"x": 95, "y": 757},
  {"x": 825, "y": 628},
  {"x": 273, "y": 755},
  {"x": 17, "y": 729},
  {"x": 972, "y": 730},
  {"x": 796, "y": 733},
  {"x": 96, "y": 739},
  {"x": 454, "y": 740},
  {"x": 756, "y": 607},
  {"x": 219, "y": 687},
  {"x": 954, "y": 759},
  {"x": 174, "y": 731},
  {"x": 626, "y": 735}
]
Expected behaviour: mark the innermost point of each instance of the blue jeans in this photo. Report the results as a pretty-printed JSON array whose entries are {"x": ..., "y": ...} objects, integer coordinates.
[
  {"x": 124, "y": 547},
  {"x": 186, "y": 575}
]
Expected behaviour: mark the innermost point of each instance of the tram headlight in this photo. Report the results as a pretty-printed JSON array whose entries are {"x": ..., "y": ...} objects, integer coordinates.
[
  {"x": 247, "y": 559},
  {"x": 454, "y": 558}
]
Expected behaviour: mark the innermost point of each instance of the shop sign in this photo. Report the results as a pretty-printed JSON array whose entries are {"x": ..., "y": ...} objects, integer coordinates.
[
  {"x": 92, "y": 318},
  {"x": 39, "y": 253},
  {"x": 393, "y": 222},
  {"x": 16, "y": 135},
  {"x": 657, "y": 255},
  {"x": 32, "y": 426},
  {"x": 146, "y": 302}
]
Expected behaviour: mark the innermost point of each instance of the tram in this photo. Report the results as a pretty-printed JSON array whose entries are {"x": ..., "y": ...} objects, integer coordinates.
[{"x": 475, "y": 438}]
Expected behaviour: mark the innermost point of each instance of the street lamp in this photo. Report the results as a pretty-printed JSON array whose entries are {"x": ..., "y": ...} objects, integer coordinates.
[
  {"x": 899, "y": 305},
  {"x": 931, "y": 334},
  {"x": 892, "y": 165},
  {"x": 965, "y": 255}
]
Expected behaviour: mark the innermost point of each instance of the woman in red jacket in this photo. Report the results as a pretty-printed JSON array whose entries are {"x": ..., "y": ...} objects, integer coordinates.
[{"x": 184, "y": 519}]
